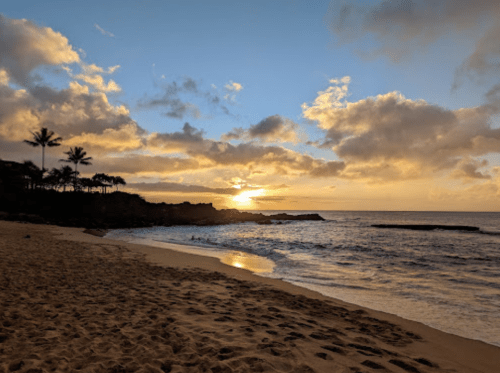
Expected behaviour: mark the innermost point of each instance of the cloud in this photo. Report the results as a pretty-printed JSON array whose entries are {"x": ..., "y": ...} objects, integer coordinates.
[
  {"x": 138, "y": 164},
  {"x": 266, "y": 199},
  {"x": 74, "y": 113},
  {"x": 25, "y": 46},
  {"x": 482, "y": 196},
  {"x": 181, "y": 188},
  {"x": 213, "y": 153},
  {"x": 485, "y": 60},
  {"x": 97, "y": 82},
  {"x": 92, "y": 75},
  {"x": 468, "y": 170},
  {"x": 189, "y": 139},
  {"x": 94, "y": 69},
  {"x": 274, "y": 128},
  {"x": 233, "y": 86},
  {"x": 172, "y": 99},
  {"x": 403, "y": 27},
  {"x": 127, "y": 137},
  {"x": 4, "y": 77},
  {"x": 282, "y": 160},
  {"x": 104, "y": 32},
  {"x": 235, "y": 134},
  {"x": 232, "y": 89},
  {"x": 328, "y": 169},
  {"x": 335, "y": 96},
  {"x": 392, "y": 137}
]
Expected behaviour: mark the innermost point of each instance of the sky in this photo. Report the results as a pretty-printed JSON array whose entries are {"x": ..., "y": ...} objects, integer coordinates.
[{"x": 267, "y": 105}]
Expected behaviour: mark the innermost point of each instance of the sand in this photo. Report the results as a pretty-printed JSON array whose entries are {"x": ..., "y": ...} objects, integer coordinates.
[{"x": 74, "y": 302}]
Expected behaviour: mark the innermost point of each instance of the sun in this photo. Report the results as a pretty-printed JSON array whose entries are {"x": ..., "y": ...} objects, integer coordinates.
[{"x": 245, "y": 198}]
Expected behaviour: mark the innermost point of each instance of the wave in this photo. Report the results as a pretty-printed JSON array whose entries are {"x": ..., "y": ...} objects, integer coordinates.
[
  {"x": 491, "y": 233},
  {"x": 428, "y": 227},
  {"x": 438, "y": 228},
  {"x": 484, "y": 259}
]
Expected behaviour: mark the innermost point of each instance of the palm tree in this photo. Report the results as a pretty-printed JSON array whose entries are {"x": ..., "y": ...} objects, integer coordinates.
[
  {"x": 33, "y": 174},
  {"x": 87, "y": 183},
  {"x": 53, "y": 179},
  {"x": 118, "y": 180},
  {"x": 76, "y": 155},
  {"x": 44, "y": 138},
  {"x": 104, "y": 180},
  {"x": 66, "y": 176}
]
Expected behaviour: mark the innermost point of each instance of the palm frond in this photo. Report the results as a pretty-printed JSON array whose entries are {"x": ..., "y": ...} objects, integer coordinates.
[
  {"x": 54, "y": 142},
  {"x": 32, "y": 143}
]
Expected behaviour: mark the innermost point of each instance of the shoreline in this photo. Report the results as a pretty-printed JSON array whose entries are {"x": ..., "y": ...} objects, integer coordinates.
[
  {"x": 303, "y": 331},
  {"x": 154, "y": 254},
  {"x": 197, "y": 248}
]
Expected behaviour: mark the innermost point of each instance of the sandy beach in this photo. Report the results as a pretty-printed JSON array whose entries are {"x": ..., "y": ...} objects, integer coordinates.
[{"x": 71, "y": 301}]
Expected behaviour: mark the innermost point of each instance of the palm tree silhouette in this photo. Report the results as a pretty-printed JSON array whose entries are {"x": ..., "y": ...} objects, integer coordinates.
[
  {"x": 104, "y": 180},
  {"x": 60, "y": 177},
  {"x": 76, "y": 155},
  {"x": 44, "y": 138},
  {"x": 66, "y": 176},
  {"x": 118, "y": 180},
  {"x": 33, "y": 173}
]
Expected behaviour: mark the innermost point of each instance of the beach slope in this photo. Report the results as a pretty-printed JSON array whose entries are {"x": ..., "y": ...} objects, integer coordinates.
[{"x": 73, "y": 302}]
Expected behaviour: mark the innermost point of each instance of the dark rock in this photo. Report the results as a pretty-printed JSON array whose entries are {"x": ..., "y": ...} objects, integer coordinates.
[
  {"x": 427, "y": 227},
  {"x": 122, "y": 210},
  {"x": 96, "y": 232},
  {"x": 264, "y": 222}
]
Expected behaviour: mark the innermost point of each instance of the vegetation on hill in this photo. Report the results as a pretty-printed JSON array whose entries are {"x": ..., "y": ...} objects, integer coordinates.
[{"x": 61, "y": 197}]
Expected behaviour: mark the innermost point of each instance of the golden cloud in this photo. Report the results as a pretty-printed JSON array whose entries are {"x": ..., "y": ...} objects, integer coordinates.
[
  {"x": 125, "y": 138},
  {"x": 391, "y": 137},
  {"x": 25, "y": 46}
]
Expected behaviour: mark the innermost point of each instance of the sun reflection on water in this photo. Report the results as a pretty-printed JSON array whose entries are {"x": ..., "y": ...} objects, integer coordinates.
[{"x": 253, "y": 263}]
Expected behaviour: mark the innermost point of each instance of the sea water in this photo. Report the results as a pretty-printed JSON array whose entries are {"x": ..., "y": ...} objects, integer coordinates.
[{"x": 449, "y": 280}]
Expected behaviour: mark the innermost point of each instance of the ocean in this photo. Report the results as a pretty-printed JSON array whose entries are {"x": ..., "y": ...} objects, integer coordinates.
[{"x": 449, "y": 280}]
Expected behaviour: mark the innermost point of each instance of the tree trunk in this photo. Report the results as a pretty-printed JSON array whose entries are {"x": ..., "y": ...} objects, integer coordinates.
[
  {"x": 74, "y": 179},
  {"x": 43, "y": 160}
]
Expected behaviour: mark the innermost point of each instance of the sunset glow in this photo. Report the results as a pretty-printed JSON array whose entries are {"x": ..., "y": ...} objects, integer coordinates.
[
  {"x": 245, "y": 198},
  {"x": 250, "y": 186},
  {"x": 399, "y": 113}
]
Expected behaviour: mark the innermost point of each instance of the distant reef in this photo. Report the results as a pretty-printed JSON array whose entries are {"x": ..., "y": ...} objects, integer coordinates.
[
  {"x": 428, "y": 227},
  {"x": 113, "y": 210}
]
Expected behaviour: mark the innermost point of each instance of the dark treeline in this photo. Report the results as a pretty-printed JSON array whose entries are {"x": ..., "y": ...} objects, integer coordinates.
[{"x": 63, "y": 177}]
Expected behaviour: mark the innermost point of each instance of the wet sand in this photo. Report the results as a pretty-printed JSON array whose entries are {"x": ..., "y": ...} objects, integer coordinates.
[{"x": 74, "y": 302}]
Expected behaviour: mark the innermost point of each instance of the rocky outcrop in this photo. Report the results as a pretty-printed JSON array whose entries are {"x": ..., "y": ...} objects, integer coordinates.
[
  {"x": 114, "y": 210},
  {"x": 120, "y": 210}
]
